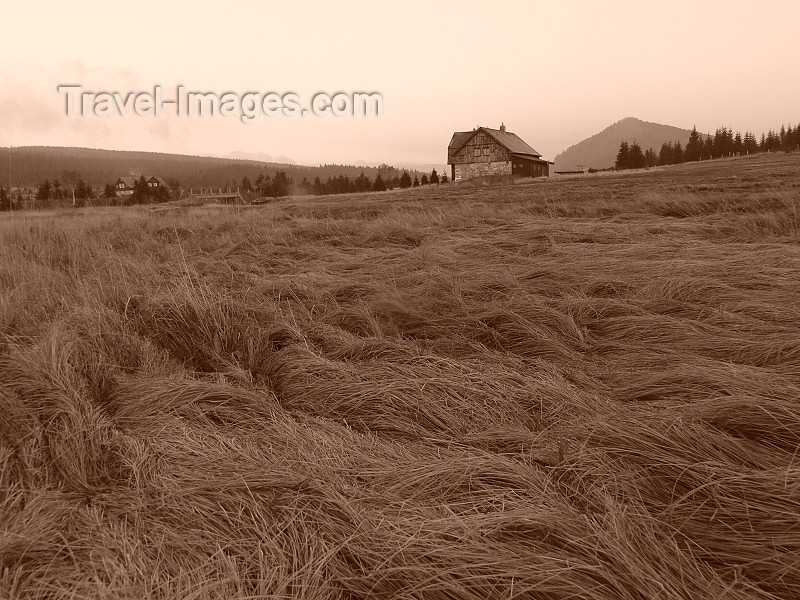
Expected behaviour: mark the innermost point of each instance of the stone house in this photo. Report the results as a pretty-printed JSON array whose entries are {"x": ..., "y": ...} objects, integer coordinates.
[{"x": 485, "y": 151}]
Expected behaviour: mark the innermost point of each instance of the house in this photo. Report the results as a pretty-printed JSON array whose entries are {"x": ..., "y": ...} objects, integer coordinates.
[
  {"x": 485, "y": 151},
  {"x": 125, "y": 185}
]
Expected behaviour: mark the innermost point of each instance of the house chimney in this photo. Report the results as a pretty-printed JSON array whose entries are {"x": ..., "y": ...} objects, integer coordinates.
[{"x": 502, "y": 127}]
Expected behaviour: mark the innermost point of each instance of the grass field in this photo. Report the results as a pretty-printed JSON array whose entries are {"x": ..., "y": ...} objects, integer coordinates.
[{"x": 586, "y": 388}]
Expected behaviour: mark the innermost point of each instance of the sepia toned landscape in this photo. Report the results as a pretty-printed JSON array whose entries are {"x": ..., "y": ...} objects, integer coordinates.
[{"x": 569, "y": 388}]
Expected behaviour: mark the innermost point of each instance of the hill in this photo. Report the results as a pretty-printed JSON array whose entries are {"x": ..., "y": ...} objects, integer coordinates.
[
  {"x": 30, "y": 165},
  {"x": 600, "y": 150}
]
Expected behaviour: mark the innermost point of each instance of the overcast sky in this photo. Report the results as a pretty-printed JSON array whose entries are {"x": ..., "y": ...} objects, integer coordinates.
[{"x": 554, "y": 73}]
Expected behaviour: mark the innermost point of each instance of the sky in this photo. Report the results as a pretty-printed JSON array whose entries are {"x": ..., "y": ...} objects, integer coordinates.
[{"x": 554, "y": 73}]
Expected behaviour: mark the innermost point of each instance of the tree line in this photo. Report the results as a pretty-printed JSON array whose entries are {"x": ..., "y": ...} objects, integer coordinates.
[
  {"x": 344, "y": 185},
  {"x": 282, "y": 185},
  {"x": 724, "y": 142},
  {"x": 74, "y": 189}
]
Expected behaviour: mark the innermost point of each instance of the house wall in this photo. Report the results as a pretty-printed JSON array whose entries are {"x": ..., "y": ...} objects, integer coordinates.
[
  {"x": 481, "y": 148},
  {"x": 529, "y": 168},
  {"x": 481, "y": 169},
  {"x": 122, "y": 189},
  {"x": 479, "y": 157}
]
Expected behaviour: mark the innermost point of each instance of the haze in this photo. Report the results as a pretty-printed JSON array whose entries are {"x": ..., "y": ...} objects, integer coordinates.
[{"x": 553, "y": 73}]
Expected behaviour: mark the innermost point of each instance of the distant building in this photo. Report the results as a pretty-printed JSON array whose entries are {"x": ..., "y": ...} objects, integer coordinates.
[
  {"x": 125, "y": 185},
  {"x": 485, "y": 151}
]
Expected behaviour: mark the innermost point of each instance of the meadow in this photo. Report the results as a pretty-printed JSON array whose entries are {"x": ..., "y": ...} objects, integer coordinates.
[{"x": 586, "y": 388}]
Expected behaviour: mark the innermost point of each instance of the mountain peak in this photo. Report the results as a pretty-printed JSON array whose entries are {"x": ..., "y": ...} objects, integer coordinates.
[{"x": 600, "y": 150}]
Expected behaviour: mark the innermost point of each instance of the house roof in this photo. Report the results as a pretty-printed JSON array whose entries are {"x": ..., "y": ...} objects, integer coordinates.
[
  {"x": 530, "y": 158},
  {"x": 131, "y": 180},
  {"x": 459, "y": 139},
  {"x": 510, "y": 141},
  {"x": 457, "y": 142}
]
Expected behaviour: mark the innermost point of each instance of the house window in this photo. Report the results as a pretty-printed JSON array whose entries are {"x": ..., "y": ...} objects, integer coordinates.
[
  {"x": 486, "y": 151},
  {"x": 476, "y": 152}
]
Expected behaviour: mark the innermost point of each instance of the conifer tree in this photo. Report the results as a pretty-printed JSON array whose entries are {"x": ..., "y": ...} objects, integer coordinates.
[
  {"x": 43, "y": 193},
  {"x": 635, "y": 156},
  {"x": 708, "y": 147},
  {"x": 281, "y": 185},
  {"x": 379, "y": 185},
  {"x": 737, "y": 143},
  {"x": 665, "y": 154},
  {"x": 265, "y": 186},
  {"x": 787, "y": 144},
  {"x": 623, "y": 157},
  {"x": 773, "y": 141},
  {"x": 677, "y": 153},
  {"x": 362, "y": 183},
  {"x": 693, "y": 146},
  {"x": 141, "y": 192},
  {"x": 82, "y": 191},
  {"x": 720, "y": 136},
  {"x": 750, "y": 143},
  {"x": 650, "y": 157}
]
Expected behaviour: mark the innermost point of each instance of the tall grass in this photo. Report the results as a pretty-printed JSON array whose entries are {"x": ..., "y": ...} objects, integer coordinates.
[{"x": 576, "y": 389}]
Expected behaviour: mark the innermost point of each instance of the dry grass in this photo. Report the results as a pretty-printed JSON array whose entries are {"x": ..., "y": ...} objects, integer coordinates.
[{"x": 576, "y": 389}]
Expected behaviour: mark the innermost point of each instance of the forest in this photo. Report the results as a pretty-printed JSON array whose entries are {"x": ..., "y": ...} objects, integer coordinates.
[
  {"x": 28, "y": 166},
  {"x": 76, "y": 192}
]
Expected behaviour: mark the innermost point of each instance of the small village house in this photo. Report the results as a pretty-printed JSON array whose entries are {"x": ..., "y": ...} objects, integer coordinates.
[
  {"x": 125, "y": 185},
  {"x": 485, "y": 151}
]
